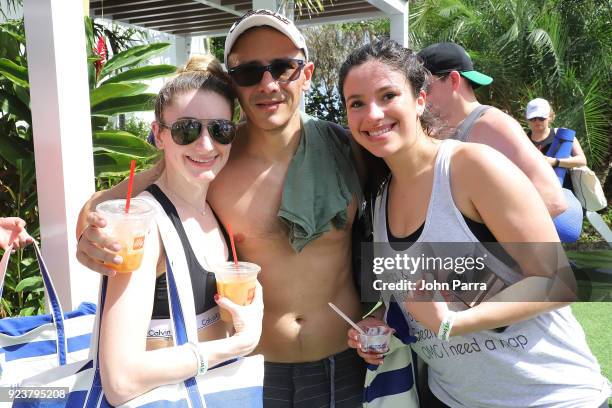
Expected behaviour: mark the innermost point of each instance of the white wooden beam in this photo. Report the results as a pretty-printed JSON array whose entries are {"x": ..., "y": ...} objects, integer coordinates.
[
  {"x": 339, "y": 19},
  {"x": 389, "y": 6},
  {"x": 59, "y": 94},
  {"x": 217, "y": 5}
]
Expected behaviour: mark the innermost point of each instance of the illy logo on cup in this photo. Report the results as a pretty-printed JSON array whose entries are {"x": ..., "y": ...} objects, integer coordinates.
[{"x": 138, "y": 242}]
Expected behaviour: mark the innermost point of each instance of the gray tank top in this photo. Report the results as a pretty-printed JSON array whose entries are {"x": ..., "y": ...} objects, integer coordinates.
[
  {"x": 463, "y": 130},
  {"x": 541, "y": 362}
]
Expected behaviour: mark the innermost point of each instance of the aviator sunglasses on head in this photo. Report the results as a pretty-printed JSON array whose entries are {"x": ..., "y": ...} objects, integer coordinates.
[
  {"x": 282, "y": 70},
  {"x": 186, "y": 131}
]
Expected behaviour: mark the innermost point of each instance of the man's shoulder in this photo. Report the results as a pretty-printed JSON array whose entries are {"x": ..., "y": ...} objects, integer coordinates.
[{"x": 495, "y": 123}]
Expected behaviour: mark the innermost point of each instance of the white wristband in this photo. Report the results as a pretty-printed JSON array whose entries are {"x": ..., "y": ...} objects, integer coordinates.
[
  {"x": 446, "y": 326},
  {"x": 201, "y": 357}
]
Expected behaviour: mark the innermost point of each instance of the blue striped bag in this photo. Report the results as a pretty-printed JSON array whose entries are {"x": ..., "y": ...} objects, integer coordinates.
[
  {"x": 392, "y": 384},
  {"x": 33, "y": 344},
  {"x": 237, "y": 383}
]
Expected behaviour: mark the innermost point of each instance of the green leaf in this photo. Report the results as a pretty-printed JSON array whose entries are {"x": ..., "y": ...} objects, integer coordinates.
[
  {"x": 134, "y": 103},
  {"x": 11, "y": 104},
  {"x": 27, "y": 311},
  {"x": 98, "y": 122},
  {"x": 30, "y": 283},
  {"x": 141, "y": 73},
  {"x": 12, "y": 149},
  {"x": 15, "y": 73},
  {"x": 111, "y": 165},
  {"x": 106, "y": 92},
  {"x": 116, "y": 141},
  {"x": 133, "y": 56},
  {"x": 27, "y": 261},
  {"x": 7, "y": 29}
]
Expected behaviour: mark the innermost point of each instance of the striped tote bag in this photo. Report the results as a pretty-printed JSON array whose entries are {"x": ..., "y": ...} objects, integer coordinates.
[
  {"x": 33, "y": 344},
  {"x": 392, "y": 384}
]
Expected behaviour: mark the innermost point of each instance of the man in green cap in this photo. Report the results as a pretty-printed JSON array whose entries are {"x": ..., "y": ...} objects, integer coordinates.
[{"x": 451, "y": 96}]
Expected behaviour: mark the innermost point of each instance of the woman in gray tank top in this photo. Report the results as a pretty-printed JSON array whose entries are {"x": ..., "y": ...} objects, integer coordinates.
[{"x": 479, "y": 354}]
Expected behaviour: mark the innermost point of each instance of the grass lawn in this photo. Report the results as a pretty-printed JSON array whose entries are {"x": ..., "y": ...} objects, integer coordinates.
[{"x": 596, "y": 320}]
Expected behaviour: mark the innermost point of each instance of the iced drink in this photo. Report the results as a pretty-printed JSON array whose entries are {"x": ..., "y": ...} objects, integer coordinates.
[
  {"x": 237, "y": 283},
  {"x": 376, "y": 339},
  {"x": 128, "y": 229}
]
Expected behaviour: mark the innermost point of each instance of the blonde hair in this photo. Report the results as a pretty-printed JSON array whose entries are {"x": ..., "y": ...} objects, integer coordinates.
[{"x": 202, "y": 72}]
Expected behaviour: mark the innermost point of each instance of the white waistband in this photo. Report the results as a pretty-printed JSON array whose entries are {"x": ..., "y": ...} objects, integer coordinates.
[{"x": 162, "y": 328}]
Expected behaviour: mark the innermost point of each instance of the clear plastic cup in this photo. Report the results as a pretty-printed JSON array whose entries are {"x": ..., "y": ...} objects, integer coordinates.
[
  {"x": 236, "y": 282},
  {"x": 376, "y": 339},
  {"x": 128, "y": 229}
]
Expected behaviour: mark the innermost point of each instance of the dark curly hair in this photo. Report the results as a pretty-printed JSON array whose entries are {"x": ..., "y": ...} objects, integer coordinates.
[{"x": 406, "y": 62}]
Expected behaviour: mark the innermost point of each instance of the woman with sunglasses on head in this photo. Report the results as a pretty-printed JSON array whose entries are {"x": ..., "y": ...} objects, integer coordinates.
[
  {"x": 494, "y": 354},
  {"x": 194, "y": 130},
  {"x": 540, "y": 115}
]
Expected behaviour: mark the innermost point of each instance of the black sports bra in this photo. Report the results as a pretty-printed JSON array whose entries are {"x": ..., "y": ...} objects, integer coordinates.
[
  {"x": 202, "y": 281},
  {"x": 480, "y": 231}
]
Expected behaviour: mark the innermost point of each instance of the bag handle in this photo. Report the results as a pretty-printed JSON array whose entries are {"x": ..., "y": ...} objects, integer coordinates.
[{"x": 57, "y": 312}]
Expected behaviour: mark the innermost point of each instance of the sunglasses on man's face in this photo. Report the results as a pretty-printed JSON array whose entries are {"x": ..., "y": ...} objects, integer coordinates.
[
  {"x": 282, "y": 70},
  {"x": 186, "y": 131},
  {"x": 537, "y": 118}
]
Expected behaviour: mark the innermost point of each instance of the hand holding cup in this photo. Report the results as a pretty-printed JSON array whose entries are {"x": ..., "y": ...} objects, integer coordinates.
[
  {"x": 371, "y": 347},
  {"x": 245, "y": 318},
  {"x": 96, "y": 249}
]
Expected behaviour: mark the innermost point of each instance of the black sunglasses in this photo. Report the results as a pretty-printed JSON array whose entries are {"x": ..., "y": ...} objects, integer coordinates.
[
  {"x": 186, "y": 131},
  {"x": 282, "y": 70},
  {"x": 538, "y": 118}
]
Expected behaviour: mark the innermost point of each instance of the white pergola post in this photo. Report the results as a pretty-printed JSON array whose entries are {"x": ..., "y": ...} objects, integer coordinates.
[
  {"x": 55, "y": 39},
  {"x": 399, "y": 27},
  {"x": 182, "y": 49},
  {"x": 266, "y": 4}
]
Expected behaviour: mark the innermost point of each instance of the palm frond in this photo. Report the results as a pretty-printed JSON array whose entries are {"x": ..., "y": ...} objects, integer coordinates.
[{"x": 596, "y": 111}]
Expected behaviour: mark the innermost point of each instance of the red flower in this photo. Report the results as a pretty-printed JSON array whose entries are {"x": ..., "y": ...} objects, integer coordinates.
[{"x": 102, "y": 52}]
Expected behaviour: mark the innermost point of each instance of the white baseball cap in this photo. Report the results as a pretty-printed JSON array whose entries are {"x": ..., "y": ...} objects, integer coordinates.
[
  {"x": 260, "y": 18},
  {"x": 537, "y": 108}
]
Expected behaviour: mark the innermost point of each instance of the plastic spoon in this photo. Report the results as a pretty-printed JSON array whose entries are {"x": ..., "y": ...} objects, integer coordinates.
[{"x": 345, "y": 317}]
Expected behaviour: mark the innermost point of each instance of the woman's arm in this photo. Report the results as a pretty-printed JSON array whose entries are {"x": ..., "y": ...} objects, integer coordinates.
[
  {"x": 487, "y": 186},
  {"x": 127, "y": 368},
  {"x": 577, "y": 157}
]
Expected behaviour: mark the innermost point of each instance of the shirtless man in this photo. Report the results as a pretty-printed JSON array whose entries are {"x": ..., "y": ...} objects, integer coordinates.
[
  {"x": 451, "y": 96},
  {"x": 303, "y": 341}
]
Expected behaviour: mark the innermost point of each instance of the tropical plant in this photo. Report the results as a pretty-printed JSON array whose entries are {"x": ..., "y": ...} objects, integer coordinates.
[
  {"x": 116, "y": 87},
  {"x": 328, "y": 46},
  {"x": 556, "y": 49}
]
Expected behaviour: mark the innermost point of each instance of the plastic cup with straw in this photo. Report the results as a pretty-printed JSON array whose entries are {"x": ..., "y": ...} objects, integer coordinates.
[
  {"x": 128, "y": 222},
  {"x": 374, "y": 339},
  {"x": 235, "y": 280}
]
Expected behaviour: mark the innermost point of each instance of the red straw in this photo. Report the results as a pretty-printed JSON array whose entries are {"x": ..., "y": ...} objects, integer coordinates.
[
  {"x": 130, "y": 184},
  {"x": 231, "y": 235}
]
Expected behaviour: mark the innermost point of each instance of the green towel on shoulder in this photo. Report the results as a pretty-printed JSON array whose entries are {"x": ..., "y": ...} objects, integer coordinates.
[{"x": 320, "y": 184}]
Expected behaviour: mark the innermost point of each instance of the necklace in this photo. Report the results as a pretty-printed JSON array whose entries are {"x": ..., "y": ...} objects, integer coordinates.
[{"x": 199, "y": 210}]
